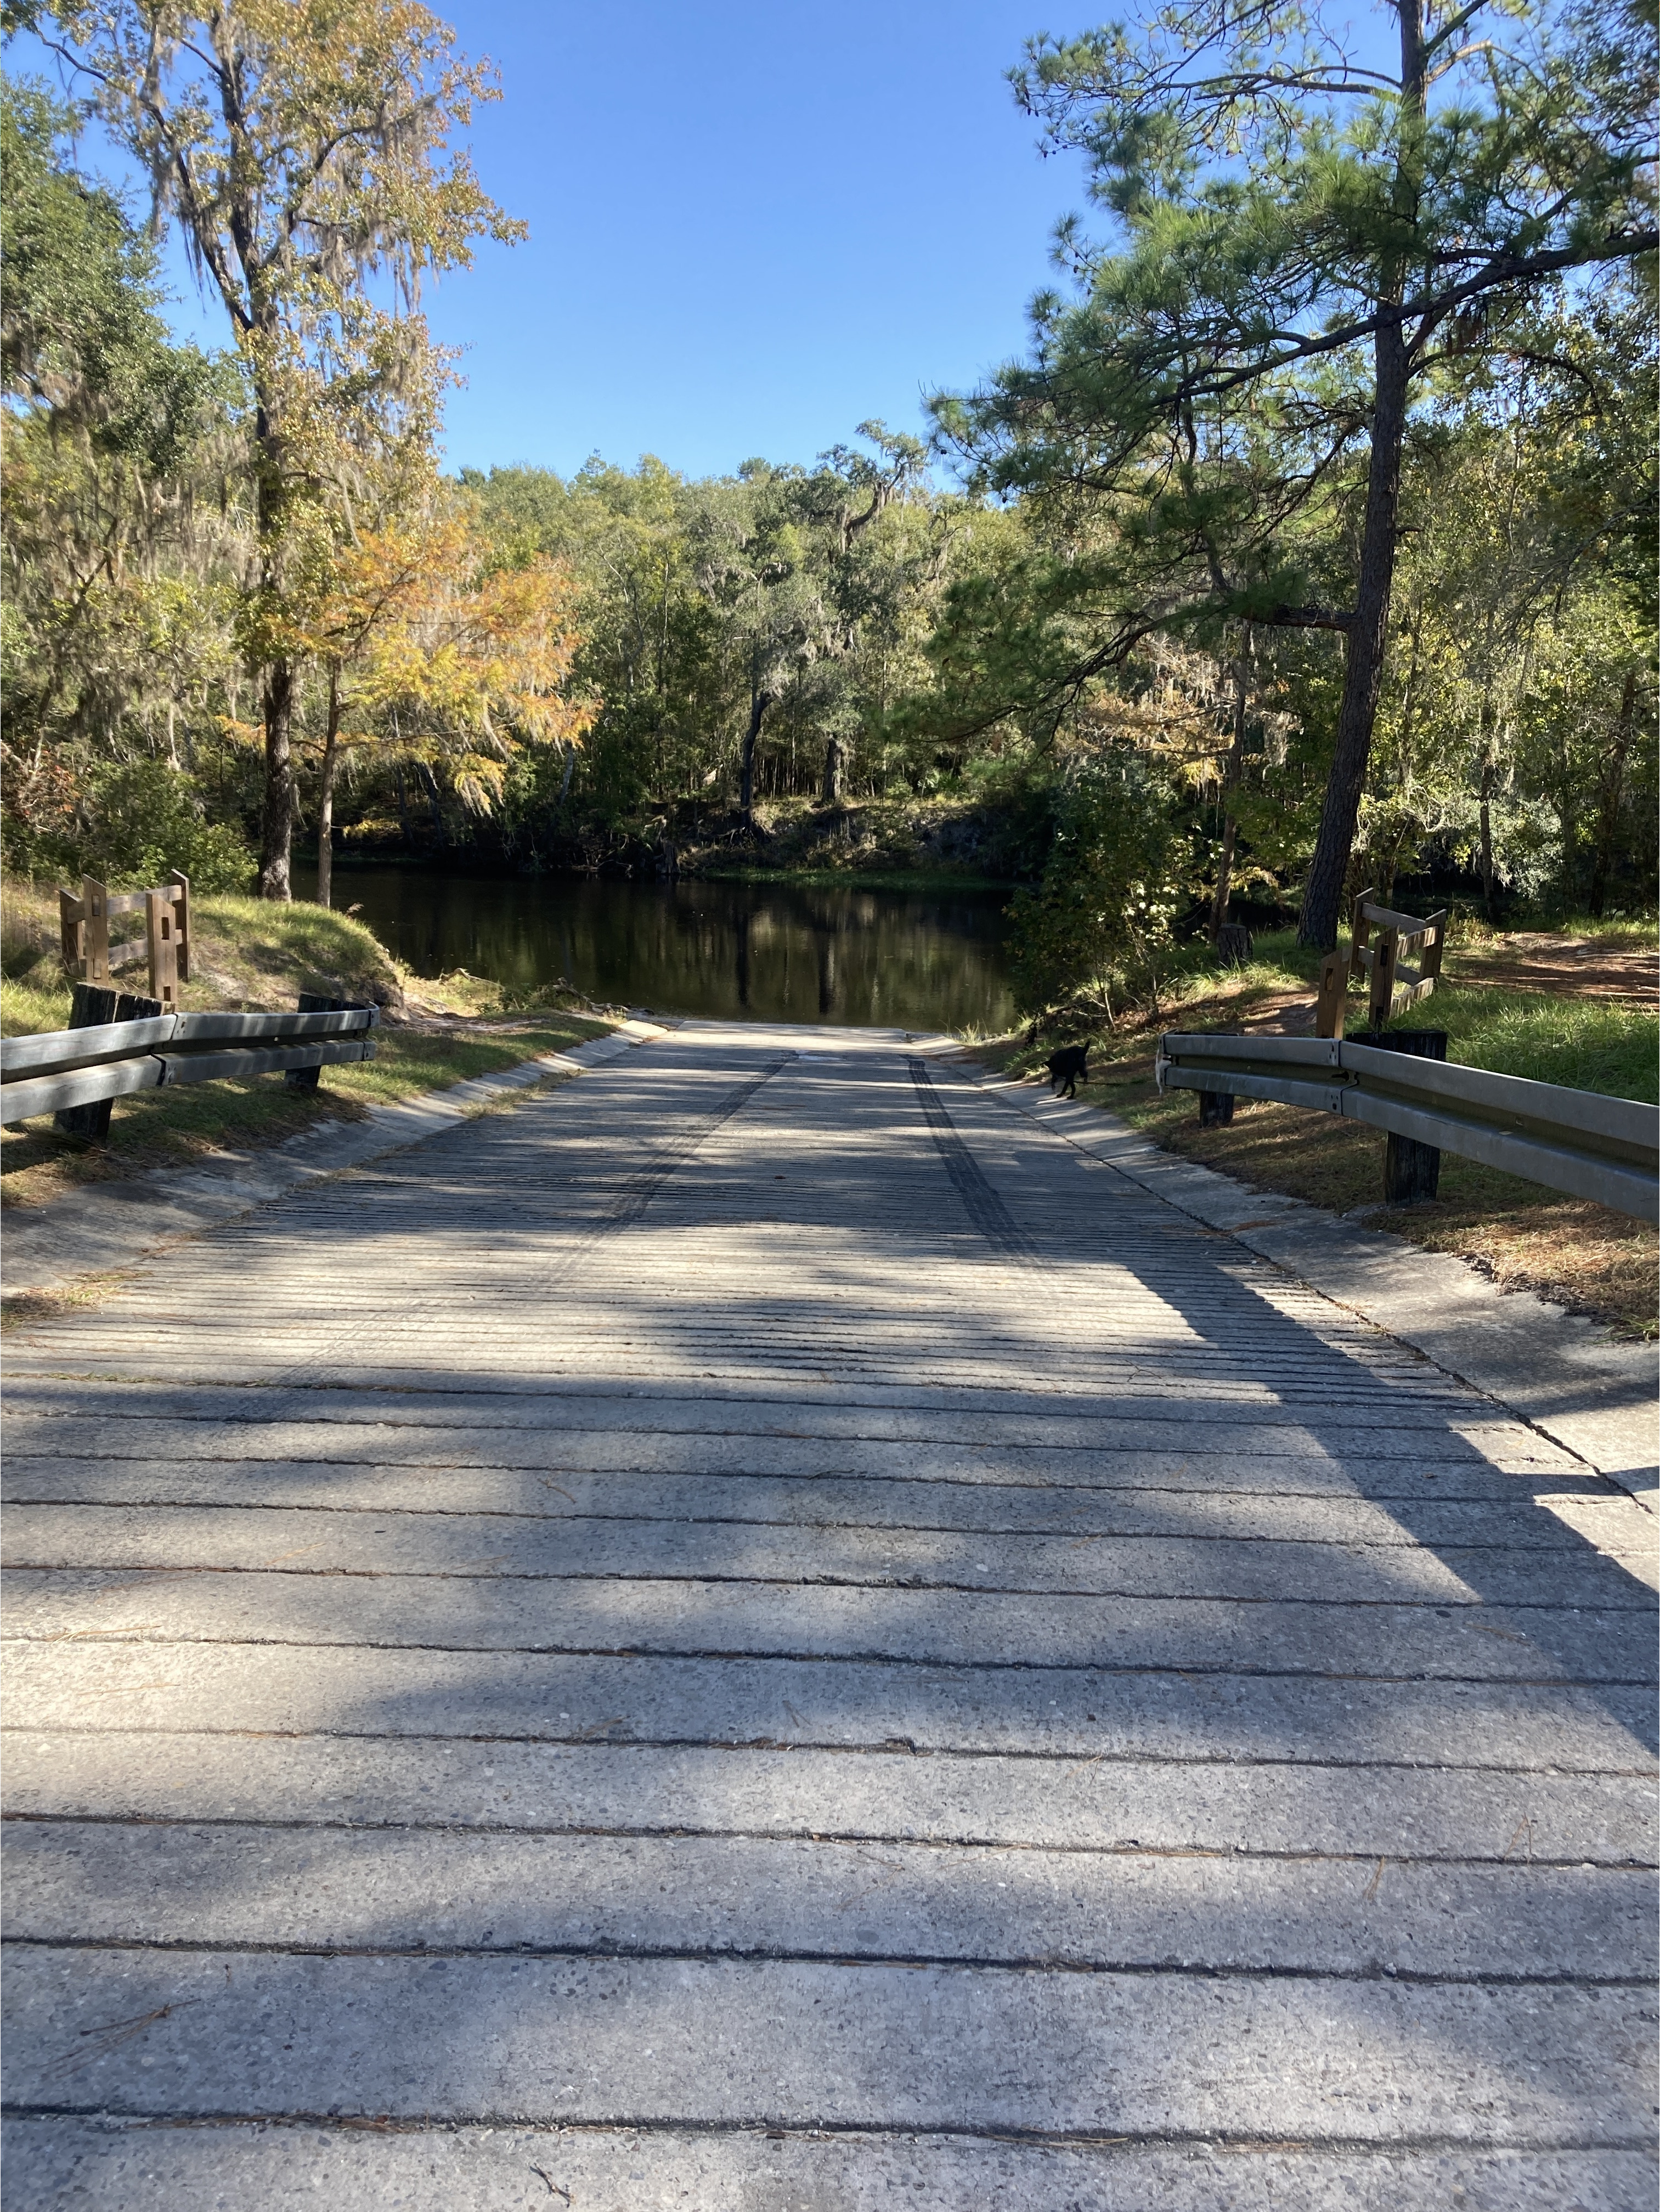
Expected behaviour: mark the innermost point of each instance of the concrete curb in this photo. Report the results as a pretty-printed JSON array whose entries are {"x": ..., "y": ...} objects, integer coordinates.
[
  {"x": 1562, "y": 1375},
  {"x": 111, "y": 1225}
]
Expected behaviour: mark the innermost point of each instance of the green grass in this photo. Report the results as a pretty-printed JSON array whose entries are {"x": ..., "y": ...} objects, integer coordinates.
[
  {"x": 28, "y": 1007},
  {"x": 1626, "y": 933},
  {"x": 1586, "y": 1044}
]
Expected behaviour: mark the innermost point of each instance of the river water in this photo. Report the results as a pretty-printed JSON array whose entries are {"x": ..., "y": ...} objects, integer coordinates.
[{"x": 922, "y": 959}]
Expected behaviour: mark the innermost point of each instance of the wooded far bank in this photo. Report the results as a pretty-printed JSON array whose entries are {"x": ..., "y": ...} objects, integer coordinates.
[{"x": 1309, "y": 546}]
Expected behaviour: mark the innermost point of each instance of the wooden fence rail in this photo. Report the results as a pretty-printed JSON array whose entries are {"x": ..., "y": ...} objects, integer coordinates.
[
  {"x": 1578, "y": 1141},
  {"x": 1393, "y": 982},
  {"x": 84, "y": 927}
]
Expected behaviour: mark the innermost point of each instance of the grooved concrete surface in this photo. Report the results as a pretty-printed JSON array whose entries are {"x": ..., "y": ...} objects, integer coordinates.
[{"x": 765, "y": 1635}]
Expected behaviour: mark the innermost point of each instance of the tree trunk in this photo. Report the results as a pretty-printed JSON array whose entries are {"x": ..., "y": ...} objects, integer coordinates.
[
  {"x": 326, "y": 796},
  {"x": 404, "y": 810},
  {"x": 1231, "y": 774},
  {"x": 1489, "y": 900},
  {"x": 276, "y": 826},
  {"x": 836, "y": 763},
  {"x": 1218, "y": 905},
  {"x": 276, "y": 822},
  {"x": 564, "y": 787},
  {"x": 1608, "y": 823},
  {"x": 1368, "y": 626},
  {"x": 759, "y": 702},
  {"x": 1368, "y": 630}
]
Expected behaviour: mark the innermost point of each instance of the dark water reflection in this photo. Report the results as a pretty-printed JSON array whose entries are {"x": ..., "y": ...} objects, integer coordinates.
[{"x": 901, "y": 959}]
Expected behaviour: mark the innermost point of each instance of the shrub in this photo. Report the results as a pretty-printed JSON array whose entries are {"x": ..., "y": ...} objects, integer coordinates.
[
  {"x": 1101, "y": 917},
  {"x": 137, "y": 822}
]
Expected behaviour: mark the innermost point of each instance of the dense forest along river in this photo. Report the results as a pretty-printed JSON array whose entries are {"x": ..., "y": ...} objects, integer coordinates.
[{"x": 922, "y": 959}]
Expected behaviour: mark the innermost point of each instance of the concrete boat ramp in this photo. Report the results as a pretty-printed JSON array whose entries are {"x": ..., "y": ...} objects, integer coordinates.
[{"x": 762, "y": 1633}]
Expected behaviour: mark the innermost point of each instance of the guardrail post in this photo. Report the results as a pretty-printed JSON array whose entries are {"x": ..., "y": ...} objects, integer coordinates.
[
  {"x": 91, "y": 1005},
  {"x": 311, "y": 1002},
  {"x": 1412, "y": 1171},
  {"x": 1216, "y": 1106}
]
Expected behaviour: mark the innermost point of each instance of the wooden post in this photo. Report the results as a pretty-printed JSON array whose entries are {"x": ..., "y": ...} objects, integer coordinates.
[
  {"x": 1359, "y": 934},
  {"x": 311, "y": 1002},
  {"x": 1334, "y": 989},
  {"x": 160, "y": 930},
  {"x": 91, "y": 1005},
  {"x": 180, "y": 883},
  {"x": 1216, "y": 1106},
  {"x": 1429, "y": 964},
  {"x": 95, "y": 962},
  {"x": 69, "y": 931},
  {"x": 1412, "y": 1171},
  {"x": 1385, "y": 954}
]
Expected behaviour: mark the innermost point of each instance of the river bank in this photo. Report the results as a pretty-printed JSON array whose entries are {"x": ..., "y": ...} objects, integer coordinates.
[
  {"x": 255, "y": 956},
  {"x": 906, "y": 843}
]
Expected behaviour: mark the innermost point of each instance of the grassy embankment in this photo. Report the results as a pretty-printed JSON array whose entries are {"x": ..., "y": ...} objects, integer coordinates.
[
  {"x": 1575, "y": 1006},
  {"x": 251, "y": 956}
]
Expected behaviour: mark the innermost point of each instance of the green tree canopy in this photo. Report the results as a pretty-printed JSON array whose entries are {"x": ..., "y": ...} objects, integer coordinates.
[
  {"x": 302, "y": 146},
  {"x": 1303, "y": 236}
]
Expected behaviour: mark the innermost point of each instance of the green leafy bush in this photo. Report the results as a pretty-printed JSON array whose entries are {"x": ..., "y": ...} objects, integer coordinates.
[
  {"x": 1100, "y": 922},
  {"x": 136, "y": 822}
]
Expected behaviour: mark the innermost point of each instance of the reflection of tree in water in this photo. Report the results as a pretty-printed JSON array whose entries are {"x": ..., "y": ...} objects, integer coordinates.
[
  {"x": 741, "y": 940},
  {"x": 769, "y": 951}
]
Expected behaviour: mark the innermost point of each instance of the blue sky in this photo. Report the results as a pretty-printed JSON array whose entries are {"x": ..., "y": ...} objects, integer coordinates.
[{"x": 753, "y": 223}]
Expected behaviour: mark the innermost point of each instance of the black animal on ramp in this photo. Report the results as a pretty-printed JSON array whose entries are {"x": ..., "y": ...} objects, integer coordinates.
[{"x": 1066, "y": 1066}]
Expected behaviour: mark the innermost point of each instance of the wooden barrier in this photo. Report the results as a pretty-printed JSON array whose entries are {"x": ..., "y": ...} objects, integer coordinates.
[
  {"x": 1394, "y": 984},
  {"x": 83, "y": 925}
]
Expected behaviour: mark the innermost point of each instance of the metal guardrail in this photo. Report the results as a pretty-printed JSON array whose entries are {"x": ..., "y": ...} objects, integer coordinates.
[
  {"x": 1578, "y": 1141},
  {"x": 68, "y": 1068}
]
